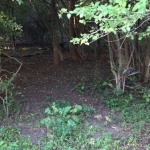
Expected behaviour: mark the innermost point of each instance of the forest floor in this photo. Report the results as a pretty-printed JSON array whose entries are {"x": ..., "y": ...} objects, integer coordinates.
[{"x": 39, "y": 83}]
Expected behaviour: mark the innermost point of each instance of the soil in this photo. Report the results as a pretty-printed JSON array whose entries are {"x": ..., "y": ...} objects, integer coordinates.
[{"x": 39, "y": 82}]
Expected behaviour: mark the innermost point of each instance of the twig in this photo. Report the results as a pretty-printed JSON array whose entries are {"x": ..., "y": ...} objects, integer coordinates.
[
  {"x": 74, "y": 88},
  {"x": 3, "y": 103},
  {"x": 14, "y": 75},
  {"x": 4, "y": 70}
]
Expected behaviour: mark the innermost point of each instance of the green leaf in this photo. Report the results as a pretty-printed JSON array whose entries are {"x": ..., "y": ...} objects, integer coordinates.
[
  {"x": 19, "y": 1},
  {"x": 71, "y": 123},
  {"x": 82, "y": 21},
  {"x": 84, "y": 41},
  {"x": 14, "y": 144},
  {"x": 68, "y": 16},
  {"x": 66, "y": 110},
  {"x": 47, "y": 111},
  {"x": 78, "y": 107},
  {"x": 81, "y": 15},
  {"x": 76, "y": 118},
  {"x": 63, "y": 10},
  {"x": 147, "y": 99},
  {"x": 2, "y": 143}
]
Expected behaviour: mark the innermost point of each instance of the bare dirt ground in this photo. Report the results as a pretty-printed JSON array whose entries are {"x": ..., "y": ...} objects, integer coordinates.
[{"x": 39, "y": 82}]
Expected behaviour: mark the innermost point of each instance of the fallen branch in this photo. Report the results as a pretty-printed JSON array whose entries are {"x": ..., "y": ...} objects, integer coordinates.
[
  {"x": 15, "y": 74},
  {"x": 73, "y": 88}
]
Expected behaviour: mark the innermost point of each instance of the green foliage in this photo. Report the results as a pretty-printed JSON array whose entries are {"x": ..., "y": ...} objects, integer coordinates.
[
  {"x": 11, "y": 26},
  {"x": 8, "y": 104},
  {"x": 94, "y": 88},
  {"x": 65, "y": 130},
  {"x": 111, "y": 17},
  {"x": 117, "y": 102},
  {"x": 77, "y": 140},
  {"x": 1, "y": 25},
  {"x": 62, "y": 118},
  {"x": 146, "y": 95},
  {"x": 8, "y": 26},
  {"x": 134, "y": 112},
  {"x": 143, "y": 35},
  {"x": 101, "y": 85},
  {"x": 81, "y": 88},
  {"x": 10, "y": 139},
  {"x": 87, "y": 110},
  {"x": 18, "y": 1},
  {"x": 63, "y": 121}
]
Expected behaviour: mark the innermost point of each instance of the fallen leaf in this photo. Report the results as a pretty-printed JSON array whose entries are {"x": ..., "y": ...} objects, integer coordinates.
[{"x": 107, "y": 119}]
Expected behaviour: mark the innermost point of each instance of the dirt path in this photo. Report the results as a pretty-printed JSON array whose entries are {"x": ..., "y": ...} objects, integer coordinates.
[{"x": 39, "y": 83}]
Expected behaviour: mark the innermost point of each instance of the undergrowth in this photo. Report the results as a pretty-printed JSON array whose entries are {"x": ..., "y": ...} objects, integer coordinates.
[
  {"x": 8, "y": 104},
  {"x": 133, "y": 110},
  {"x": 11, "y": 139},
  {"x": 63, "y": 119},
  {"x": 133, "y": 113},
  {"x": 67, "y": 131}
]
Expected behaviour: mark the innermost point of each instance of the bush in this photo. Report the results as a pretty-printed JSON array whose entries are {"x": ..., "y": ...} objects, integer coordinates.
[
  {"x": 8, "y": 105},
  {"x": 63, "y": 119}
]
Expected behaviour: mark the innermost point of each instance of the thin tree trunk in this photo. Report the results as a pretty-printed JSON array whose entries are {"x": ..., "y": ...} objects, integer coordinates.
[
  {"x": 147, "y": 65},
  {"x": 55, "y": 40},
  {"x": 72, "y": 25},
  {"x": 56, "y": 55},
  {"x": 112, "y": 63}
]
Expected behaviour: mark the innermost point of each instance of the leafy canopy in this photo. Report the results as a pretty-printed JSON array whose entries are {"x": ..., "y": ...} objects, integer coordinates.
[{"x": 111, "y": 17}]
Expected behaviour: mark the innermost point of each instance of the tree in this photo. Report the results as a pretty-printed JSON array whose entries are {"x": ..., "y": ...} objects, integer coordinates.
[
  {"x": 8, "y": 26},
  {"x": 124, "y": 23},
  {"x": 55, "y": 27},
  {"x": 47, "y": 11}
]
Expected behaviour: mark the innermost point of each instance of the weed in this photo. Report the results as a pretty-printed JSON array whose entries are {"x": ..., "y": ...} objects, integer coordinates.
[
  {"x": 101, "y": 85},
  {"x": 146, "y": 95},
  {"x": 9, "y": 105},
  {"x": 19, "y": 118},
  {"x": 87, "y": 110},
  {"x": 49, "y": 100},
  {"x": 63, "y": 118},
  {"x": 65, "y": 130},
  {"x": 133, "y": 114},
  {"x": 10, "y": 139},
  {"x": 117, "y": 102},
  {"x": 81, "y": 88},
  {"x": 79, "y": 139}
]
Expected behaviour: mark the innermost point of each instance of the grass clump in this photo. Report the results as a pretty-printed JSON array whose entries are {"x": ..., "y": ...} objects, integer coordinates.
[{"x": 11, "y": 139}]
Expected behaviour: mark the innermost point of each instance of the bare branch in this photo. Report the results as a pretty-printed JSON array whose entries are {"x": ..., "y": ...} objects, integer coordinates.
[{"x": 14, "y": 75}]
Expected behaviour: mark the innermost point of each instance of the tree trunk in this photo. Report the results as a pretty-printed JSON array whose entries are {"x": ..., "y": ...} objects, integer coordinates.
[
  {"x": 112, "y": 63},
  {"x": 147, "y": 64},
  {"x": 96, "y": 50},
  {"x": 55, "y": 39},
  {"x": 120, "y": 59},
  {"x": 72, "y": 26},
  {"x": 51, "y": 22},
  {"x": 56, "y": 55}
]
